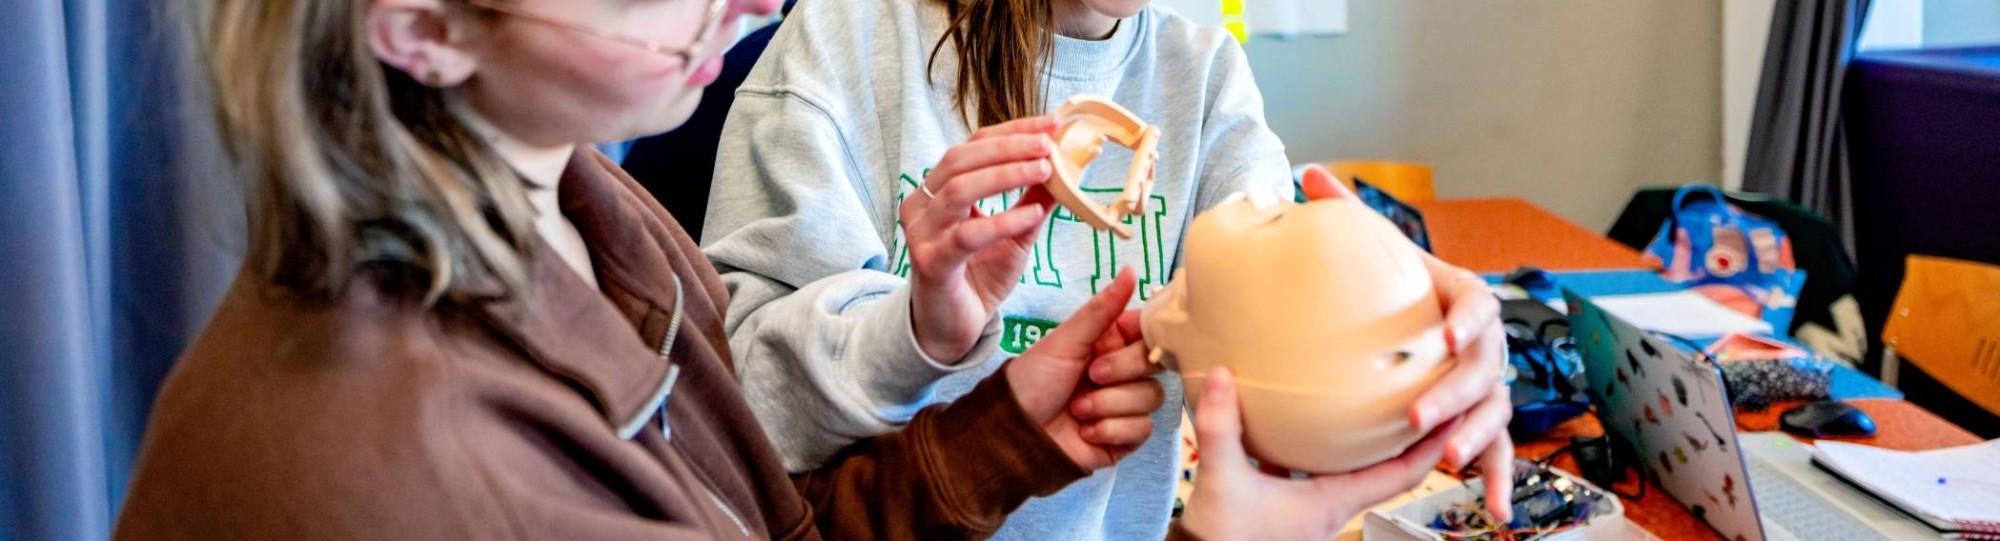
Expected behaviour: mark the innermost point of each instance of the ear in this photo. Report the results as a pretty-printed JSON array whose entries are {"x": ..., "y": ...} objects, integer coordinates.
[{"x": 424, "y": 39}]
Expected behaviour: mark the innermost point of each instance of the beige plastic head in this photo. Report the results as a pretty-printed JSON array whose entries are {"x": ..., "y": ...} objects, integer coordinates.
[
  {"x": 1087, "y": 122},
  {"x": 1325, "y": 314}
]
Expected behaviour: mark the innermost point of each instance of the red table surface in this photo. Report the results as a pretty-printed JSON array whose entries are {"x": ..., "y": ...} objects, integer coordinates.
[{"x": 1498, "y": 235}]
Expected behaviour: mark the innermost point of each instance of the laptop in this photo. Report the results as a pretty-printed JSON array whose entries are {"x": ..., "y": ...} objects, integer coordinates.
[{"x": 1668, "y": 406}]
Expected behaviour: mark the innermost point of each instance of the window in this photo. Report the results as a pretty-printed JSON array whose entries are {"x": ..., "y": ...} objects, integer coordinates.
[{"x": 1913, "y": 24}]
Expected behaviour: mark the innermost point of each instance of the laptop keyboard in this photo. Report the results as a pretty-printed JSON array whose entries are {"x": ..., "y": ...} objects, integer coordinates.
[{"x": 1786, "y": 503}]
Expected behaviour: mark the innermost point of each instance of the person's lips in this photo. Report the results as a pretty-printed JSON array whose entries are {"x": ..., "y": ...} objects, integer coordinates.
[{"x": 707, "y": 73}]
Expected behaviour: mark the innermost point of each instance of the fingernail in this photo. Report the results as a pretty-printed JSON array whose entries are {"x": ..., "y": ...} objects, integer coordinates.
[
  {"x": 1422, "y": 418},
  {"x": 1033, "y": 216},
  {"x": 1100, "y": 372},
  {"x": 1088, "y": 432},
  {"x": 1084, "y": 407}
]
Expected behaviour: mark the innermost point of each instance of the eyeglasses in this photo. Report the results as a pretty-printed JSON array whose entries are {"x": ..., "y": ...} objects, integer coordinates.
[{"x": 711, "y": 21}]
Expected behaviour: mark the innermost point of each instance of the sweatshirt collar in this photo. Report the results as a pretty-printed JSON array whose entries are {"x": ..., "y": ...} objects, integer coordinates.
[{"x": 1081, "y": 59}]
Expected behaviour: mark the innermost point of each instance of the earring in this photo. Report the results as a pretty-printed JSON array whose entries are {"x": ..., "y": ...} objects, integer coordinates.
[{"x": 431, "y": 78}]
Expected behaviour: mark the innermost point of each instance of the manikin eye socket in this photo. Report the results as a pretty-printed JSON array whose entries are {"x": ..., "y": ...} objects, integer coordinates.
[{"x": 1392, "y": 360}]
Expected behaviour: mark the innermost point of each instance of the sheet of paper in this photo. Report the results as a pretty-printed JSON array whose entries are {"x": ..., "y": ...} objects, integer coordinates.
[
  {"x": 1955, "y": 484},
  {"x": 1686, "y": 314}
]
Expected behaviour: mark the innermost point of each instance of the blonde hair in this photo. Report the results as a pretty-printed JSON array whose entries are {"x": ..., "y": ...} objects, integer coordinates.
[{"x": 348, "y": 162}]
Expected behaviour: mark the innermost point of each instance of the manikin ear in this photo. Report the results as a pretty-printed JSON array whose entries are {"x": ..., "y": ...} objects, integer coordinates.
[{"x": 424, "y": 39}]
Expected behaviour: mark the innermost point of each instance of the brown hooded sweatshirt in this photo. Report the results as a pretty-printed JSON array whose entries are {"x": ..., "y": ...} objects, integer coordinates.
[{"x": 563, "y": 412}]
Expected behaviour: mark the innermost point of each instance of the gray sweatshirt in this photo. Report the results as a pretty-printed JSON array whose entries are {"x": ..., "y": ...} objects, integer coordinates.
[{"x": 836, "y": 125}]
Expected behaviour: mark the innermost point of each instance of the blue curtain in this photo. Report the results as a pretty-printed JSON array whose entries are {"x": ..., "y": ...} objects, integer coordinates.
[{"x": 109, "y": 255}]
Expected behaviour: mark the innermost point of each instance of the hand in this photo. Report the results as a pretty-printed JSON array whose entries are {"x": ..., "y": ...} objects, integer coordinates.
[
  {"x": 1472, "y": 391},
  {"x": 1234, "y": 500},
  {"x": 963, "y": 263},
  {"x": 1099, "y": 422}
]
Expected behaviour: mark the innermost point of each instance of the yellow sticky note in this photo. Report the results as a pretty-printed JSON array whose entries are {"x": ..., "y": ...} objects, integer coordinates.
[{"x": 1232, "y": 20}]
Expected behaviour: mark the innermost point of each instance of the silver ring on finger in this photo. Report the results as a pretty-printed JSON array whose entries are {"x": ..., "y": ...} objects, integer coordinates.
[{"x": 926, "y": 188}]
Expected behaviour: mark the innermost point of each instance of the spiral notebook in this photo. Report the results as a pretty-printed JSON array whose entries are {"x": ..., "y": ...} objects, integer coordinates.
[{"x": 1956, "y": 490}]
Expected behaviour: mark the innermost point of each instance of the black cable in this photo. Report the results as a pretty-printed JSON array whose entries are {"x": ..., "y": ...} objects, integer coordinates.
[{"x": 1609, "y": 486}]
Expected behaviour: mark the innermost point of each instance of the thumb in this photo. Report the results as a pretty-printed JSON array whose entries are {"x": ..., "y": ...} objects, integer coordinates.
[
  {"x": 1074, "y": 338},
  {"x": 1218, "y": 425},
  {"x": 1320, "y": 184}
]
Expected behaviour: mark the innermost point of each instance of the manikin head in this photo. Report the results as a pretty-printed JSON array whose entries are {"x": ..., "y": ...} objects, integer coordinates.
[{"x": 1325, "y": 314}]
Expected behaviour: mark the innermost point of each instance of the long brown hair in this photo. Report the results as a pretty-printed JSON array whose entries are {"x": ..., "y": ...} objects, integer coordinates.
[
  {"x": 347, "y": 162},
  {"x": 1002, "y": 47}
]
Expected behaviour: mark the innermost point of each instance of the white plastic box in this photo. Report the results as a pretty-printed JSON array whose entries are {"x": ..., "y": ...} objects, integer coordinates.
[{"x": 1411, "y": 521}]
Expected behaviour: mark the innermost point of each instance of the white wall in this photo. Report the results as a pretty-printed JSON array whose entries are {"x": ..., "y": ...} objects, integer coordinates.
[{"x": 1571, "y": 104}]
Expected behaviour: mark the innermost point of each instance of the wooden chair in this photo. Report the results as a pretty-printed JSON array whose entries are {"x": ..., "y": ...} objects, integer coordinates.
[
  {"x": 1946, "y": 322},
  {"x": 1408, "y": 182}
]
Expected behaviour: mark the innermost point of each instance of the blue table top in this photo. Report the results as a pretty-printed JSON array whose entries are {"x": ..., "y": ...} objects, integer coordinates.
[{"x": 1848, "y": 383}]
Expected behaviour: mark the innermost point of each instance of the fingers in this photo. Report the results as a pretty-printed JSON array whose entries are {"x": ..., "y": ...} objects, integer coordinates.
[
  {"x": 1218, "y": 424},
  {"x": 1123, "y": 364},
  {"x": 1472, "y": 329},
  {"x": 958, "y": 192},
  {"x": 1473, "y": 374},
  {"x": 999, "y": 158},
  {"x": 1037, "y": 194},
  {"x": 1043, "y": 125},
  {"x": 1107, "y": 342},
  {"x": 1485, "y": 424},
  {"x": 1129, "y": 327},
  {"x": 1073, "y": 339},
  {"x": 1320, "y": 184},
  {"x": 1118, "y": 432},
  {"x": 1469, "y": 304},
  {"x": 974, "y": 235},
  {"x": 1123, "y": 333},
  {"x": 1372, "y": 485},
  {"x": 1137, "y": 398},
  {"x": 1498, "y": 465}
]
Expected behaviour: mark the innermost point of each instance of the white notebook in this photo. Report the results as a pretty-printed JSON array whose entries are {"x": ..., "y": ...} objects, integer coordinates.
[
  {"x": 1956, "y": 489},
  {"x": 1685, "y": 313}
]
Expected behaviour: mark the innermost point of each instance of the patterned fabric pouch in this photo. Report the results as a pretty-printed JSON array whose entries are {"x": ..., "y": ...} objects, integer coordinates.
[{"x": 1759, "y": 371}]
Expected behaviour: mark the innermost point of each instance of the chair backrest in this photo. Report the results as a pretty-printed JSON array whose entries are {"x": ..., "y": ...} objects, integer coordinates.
[
  {"x": 1946, "y": 321},
  {"x": 1816, "y": 248},
  {"x": 1408, "y": 182}
]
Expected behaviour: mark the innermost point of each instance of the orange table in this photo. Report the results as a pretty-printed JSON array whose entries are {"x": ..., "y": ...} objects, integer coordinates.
[
  {"x": 1492, "y": 236},
  {"x": 1497, "y": 235}
]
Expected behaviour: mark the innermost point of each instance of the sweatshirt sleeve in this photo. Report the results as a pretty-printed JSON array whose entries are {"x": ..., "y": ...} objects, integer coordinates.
[
  {"x": 955, "y": 472},
  {"x": 820, "y": 328},
  {"x": 1240, "y": 152}
]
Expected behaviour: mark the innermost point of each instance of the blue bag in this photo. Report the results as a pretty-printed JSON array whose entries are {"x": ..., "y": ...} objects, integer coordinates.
[{"x": 1742, "y": 259}]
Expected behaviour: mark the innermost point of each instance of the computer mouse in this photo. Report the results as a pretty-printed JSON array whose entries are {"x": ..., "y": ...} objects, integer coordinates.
[{"x": 1827, "y": 418}]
